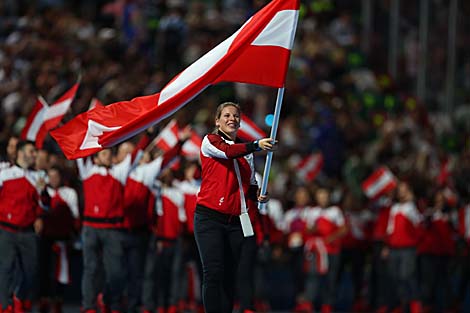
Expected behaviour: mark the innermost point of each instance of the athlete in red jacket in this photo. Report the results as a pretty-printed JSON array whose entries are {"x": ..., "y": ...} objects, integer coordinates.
[
  {"x": 227, "y": 165},
  {"x": 103, "y": 216},
  {"x": 22, "y": 200},
  {"x": 403, "y": 230},
  {"x": 60, "y": 224}
]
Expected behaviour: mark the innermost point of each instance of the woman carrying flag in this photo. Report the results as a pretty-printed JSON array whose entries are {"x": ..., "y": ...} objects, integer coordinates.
[{"x": 221, "y": 222}]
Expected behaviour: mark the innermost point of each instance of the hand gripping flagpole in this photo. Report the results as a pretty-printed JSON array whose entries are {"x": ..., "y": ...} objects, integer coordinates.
[{"x": 269, "y": 156}]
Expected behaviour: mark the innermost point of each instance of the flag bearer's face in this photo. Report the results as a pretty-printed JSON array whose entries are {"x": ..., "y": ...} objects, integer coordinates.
[{"x": 229, "y": 120}]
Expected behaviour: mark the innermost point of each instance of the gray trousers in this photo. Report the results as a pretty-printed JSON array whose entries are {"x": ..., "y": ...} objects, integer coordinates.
[
  {"x": 107, "y": 244},
  {"x": 403, "y": 274},
  {"x": 159, "y": 266},
  {"x": 18, "y": 248},
  {"x": 322, "y": 286}
]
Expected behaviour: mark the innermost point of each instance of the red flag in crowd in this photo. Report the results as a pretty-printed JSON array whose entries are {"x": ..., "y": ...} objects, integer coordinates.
[
  {"x": 168, "y": 138},
  {"x": 45, "y": 117},
  {"x": 380, "y": 182},
  {"x": 258, "y": 53},
  {"x": 309, "y": 167},
  {"x": 248, "y": 130},
  {"x": 192, "y": 146}
]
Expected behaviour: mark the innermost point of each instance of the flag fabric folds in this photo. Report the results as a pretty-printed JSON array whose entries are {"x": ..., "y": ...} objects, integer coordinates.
[
  {"x": 379, "y": 182},
  {"x": 44, "y": 117},
  {"x": 258, "y": 53}
]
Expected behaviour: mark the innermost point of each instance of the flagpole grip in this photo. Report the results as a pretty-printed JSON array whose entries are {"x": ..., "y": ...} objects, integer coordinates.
[{"x": 269, "y": 156}]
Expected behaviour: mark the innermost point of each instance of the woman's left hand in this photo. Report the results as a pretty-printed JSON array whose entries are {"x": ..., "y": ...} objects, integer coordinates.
[
  {"x": 263, "y": 198},
  {"x": 268, "y": 144}
]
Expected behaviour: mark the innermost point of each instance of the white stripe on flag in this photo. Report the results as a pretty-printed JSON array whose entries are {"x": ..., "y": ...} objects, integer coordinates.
[
  {"x": 168, "y": 136},
  {"x": 250, "y": 131},
  {"x": 379, "y": 184},
  {"x": 58, "y": 109},
  {"x": 38, "y": 121},
  {"x": 281, "y": 21},
  {"x": 311, "y": 164}
]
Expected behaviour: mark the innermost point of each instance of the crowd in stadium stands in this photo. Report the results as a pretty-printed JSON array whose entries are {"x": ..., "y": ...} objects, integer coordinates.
[{"x": 407, "y": 249}]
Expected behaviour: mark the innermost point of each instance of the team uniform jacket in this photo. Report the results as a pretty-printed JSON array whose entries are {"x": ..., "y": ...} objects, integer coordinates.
[
  {"x": 295, "y": 225},
  {"x": 275, "y": 219},
  {"x": 20, "y": 201},
  {"x": 171, "y": 216},
  {"x": 4, "y": 165},
  {"x": 437, "y": 236},
  {"x": 190, "y": 190},
  {"x": 329, "y": 221},
  {"x": 63, "y": 214},
  {"x": 403, "y": 225},
  {"x": 219, "y": 188},
  {"x": 139, "y": 199},
  {"x": 59, "y": 224},
  {"x": 103, "y": 189},
  {"x": 359, "y": 229}
]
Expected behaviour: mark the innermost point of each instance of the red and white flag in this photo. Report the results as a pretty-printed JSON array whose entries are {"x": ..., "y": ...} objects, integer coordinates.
[
  {"x": 309, "y": 167},
  {"x": 168, "y": 138},
  {"x": 192, "y": 146},
  {"x": 45, "y": 117},
  {"x": 380, "y": 182},
  {"x": 258, "y": 53},
  {"x": 248, "y": 130}
]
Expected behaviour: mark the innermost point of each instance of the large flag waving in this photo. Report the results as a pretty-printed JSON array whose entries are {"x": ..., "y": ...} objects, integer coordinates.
[
  {"x": 45, "y": 117},
  {"x": 258, "y": 53}
]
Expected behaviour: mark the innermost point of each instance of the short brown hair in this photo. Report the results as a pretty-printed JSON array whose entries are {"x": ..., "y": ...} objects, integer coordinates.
[{"x": 222, "y": 106}]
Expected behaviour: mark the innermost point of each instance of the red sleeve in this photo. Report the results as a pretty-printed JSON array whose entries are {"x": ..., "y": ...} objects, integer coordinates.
[{"x": 231, "y": 151}]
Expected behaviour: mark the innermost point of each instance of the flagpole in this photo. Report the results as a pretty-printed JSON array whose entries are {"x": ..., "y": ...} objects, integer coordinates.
[{"x": 269, "y": 156}]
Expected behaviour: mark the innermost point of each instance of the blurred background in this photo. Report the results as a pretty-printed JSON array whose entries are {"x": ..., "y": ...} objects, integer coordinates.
[{"x": 371, "y": 83}]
